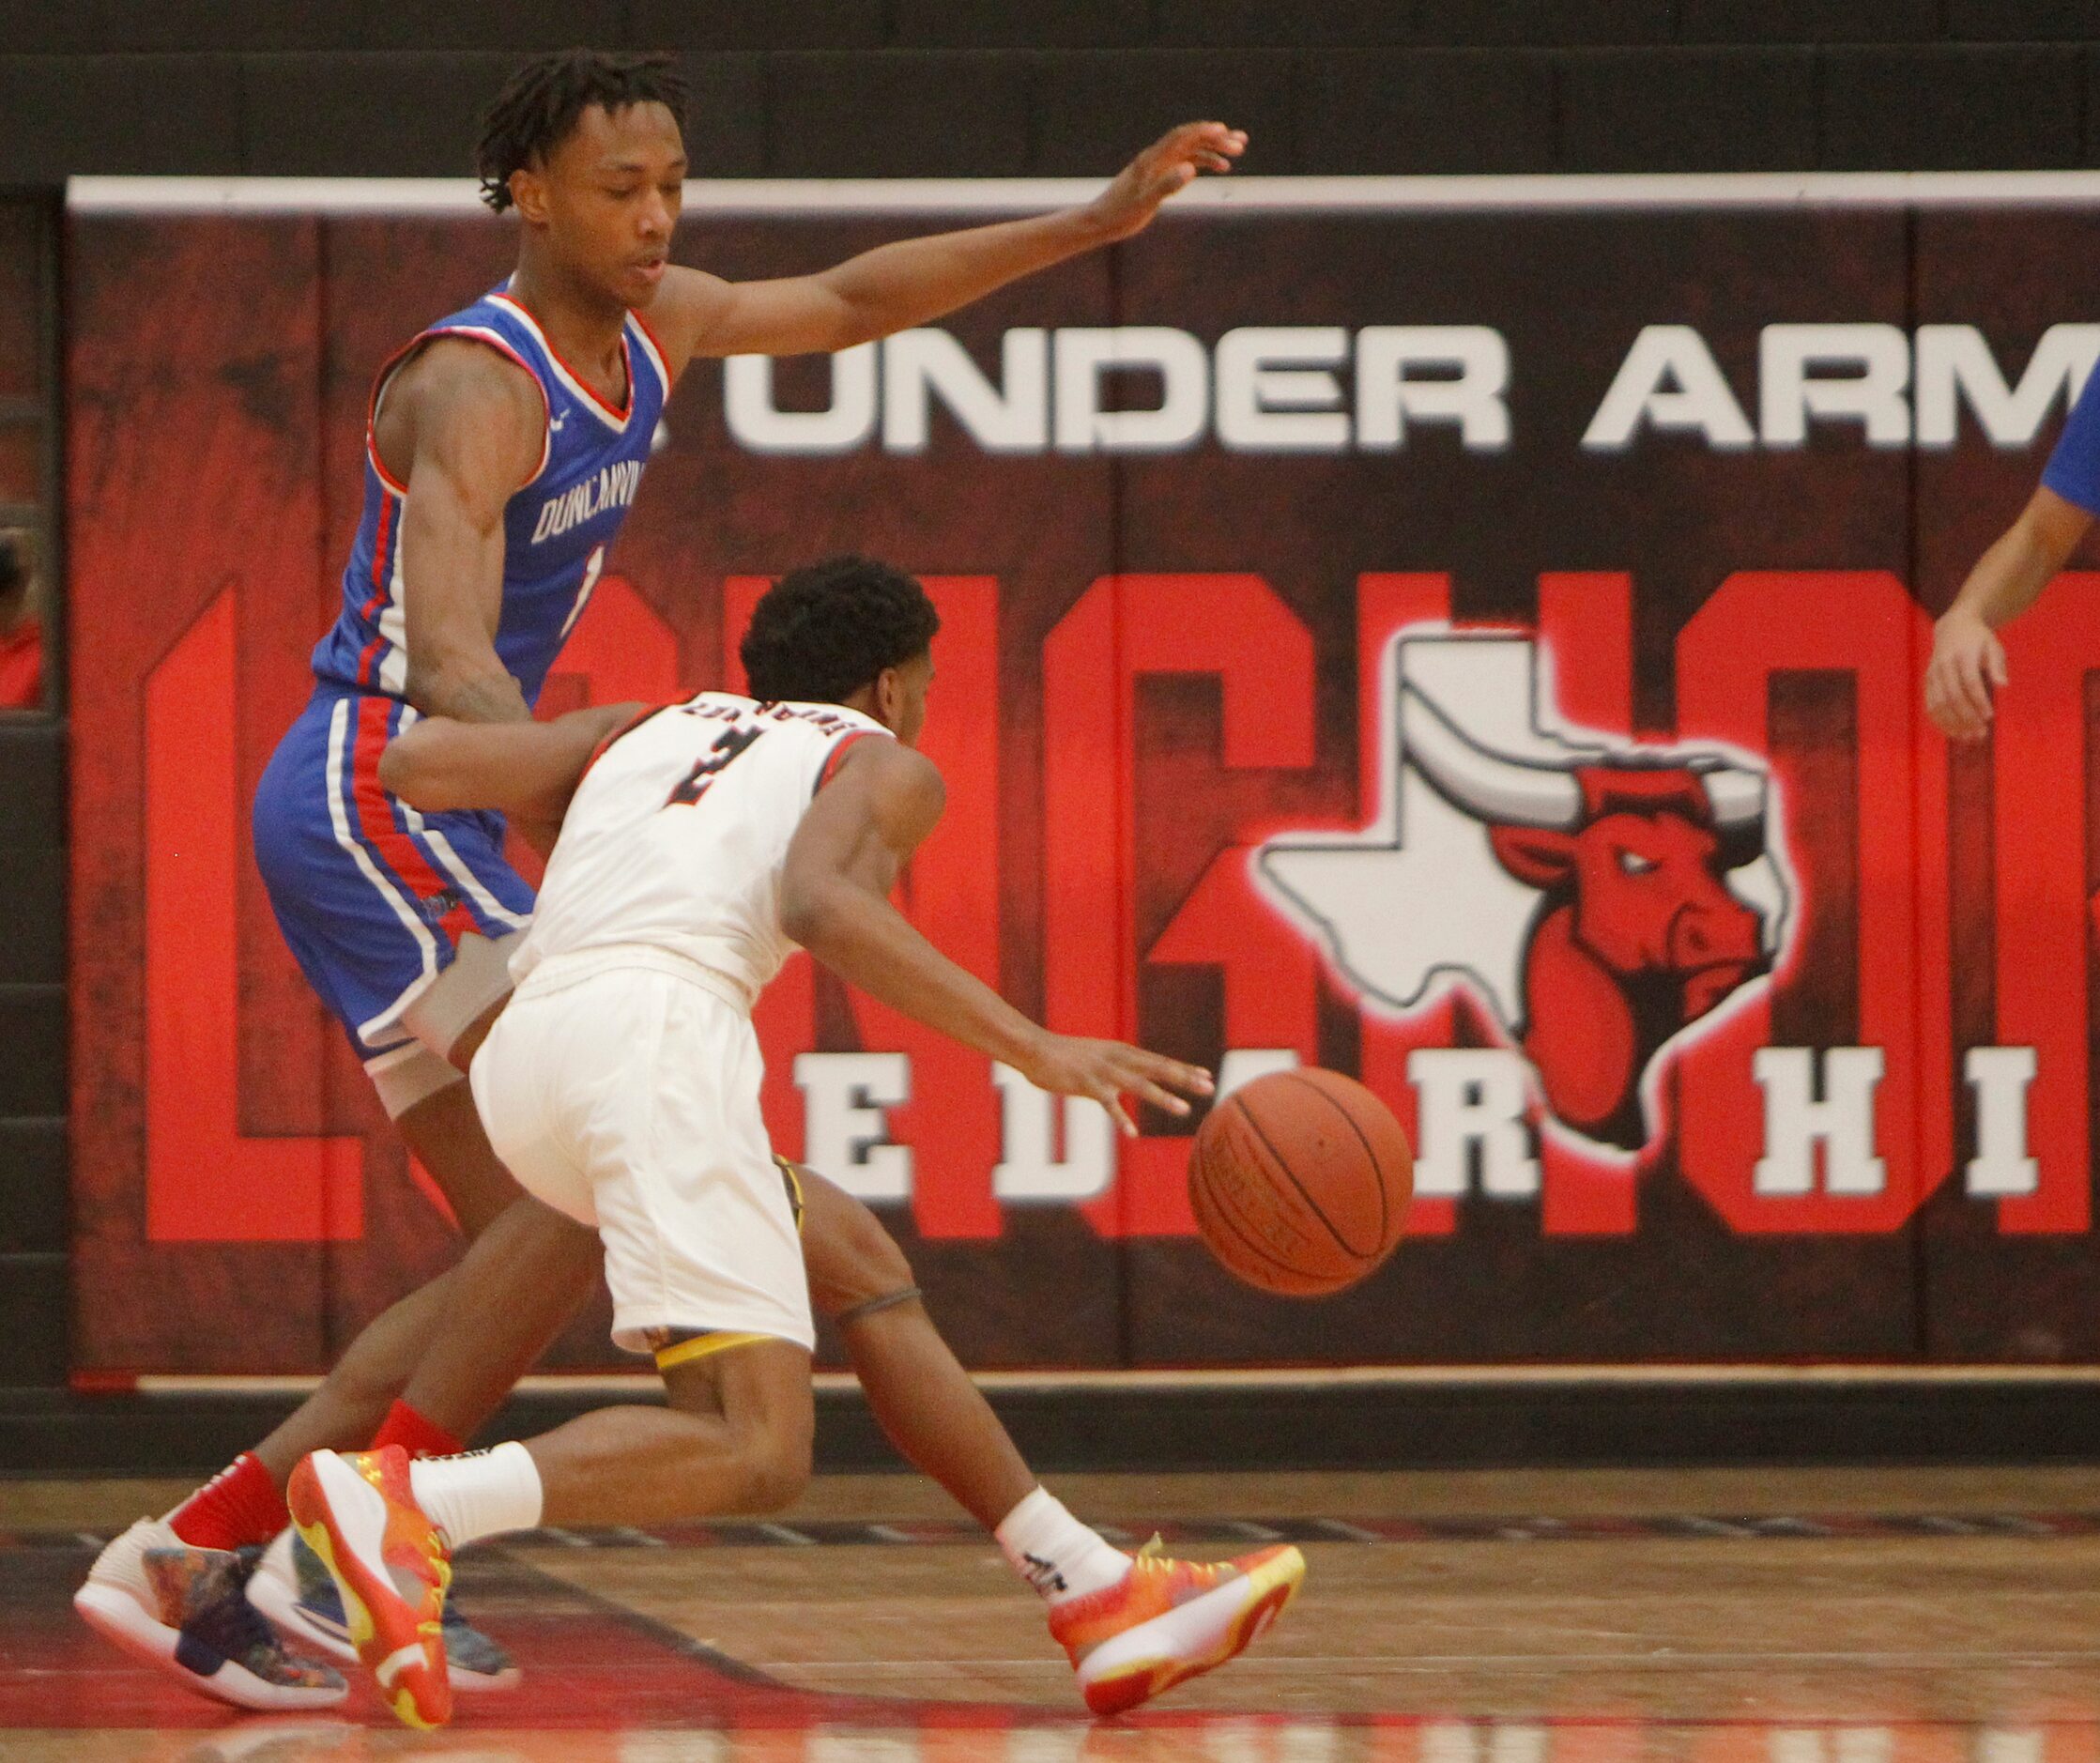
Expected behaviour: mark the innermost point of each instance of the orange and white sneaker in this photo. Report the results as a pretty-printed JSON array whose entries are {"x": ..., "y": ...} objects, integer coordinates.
[
  {"x": 1170, "y": 1621},
  {"x": 359, "y": 1513}
]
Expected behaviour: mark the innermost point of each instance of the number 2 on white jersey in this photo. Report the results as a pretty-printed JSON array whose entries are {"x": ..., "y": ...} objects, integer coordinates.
[{"x": 728, "y": 744}]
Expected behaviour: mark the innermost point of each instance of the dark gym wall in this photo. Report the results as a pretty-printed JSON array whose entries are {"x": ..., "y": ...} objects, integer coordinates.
[
  {"x": 32, "y": 1233},
  {"x": 1002, "y": 87},
  {"x": 33, "y": 1005}
]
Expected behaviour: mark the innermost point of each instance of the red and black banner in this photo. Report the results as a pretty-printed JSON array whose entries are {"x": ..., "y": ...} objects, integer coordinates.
[{"x": 1475, "y": 650}]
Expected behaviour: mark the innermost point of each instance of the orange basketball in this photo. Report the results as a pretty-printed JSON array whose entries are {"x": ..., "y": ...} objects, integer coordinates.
[{"x": 1300, "y": 1181}]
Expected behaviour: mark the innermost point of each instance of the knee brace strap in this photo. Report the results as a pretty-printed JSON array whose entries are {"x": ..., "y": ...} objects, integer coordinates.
[{"x": 860, "y": 1313}]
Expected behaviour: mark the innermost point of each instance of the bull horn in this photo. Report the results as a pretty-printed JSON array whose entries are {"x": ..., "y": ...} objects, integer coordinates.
[
  {"x": 1487, "y": 785},
  {"x": 1736, "y": 797}
]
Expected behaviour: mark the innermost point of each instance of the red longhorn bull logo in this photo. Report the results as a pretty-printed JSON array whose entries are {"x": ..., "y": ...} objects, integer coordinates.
[{"x": 1600, "y": 899}]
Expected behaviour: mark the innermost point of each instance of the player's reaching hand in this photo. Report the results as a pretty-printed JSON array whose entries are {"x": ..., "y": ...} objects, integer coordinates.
[
  {"x": 1968, "y": 665},
  {"x": 915, "y": 281},
  {"x": 1967, "y": 661},
  {"x": 1071, "y": 1065},
  {"x": 853, "y": 841},
  {"x": 1171, "y": 164}
]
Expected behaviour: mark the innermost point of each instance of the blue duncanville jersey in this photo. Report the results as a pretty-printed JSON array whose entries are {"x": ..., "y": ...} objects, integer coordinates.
[{"x": 556, "y": 529}]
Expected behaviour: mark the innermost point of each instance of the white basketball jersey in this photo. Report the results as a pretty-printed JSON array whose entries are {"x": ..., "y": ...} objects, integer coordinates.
[{"x": 678, "y": 833}]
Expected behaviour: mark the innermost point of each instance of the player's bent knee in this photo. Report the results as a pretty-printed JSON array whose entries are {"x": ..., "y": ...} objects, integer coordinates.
[
  {"x": 876, "y": 1271},
  {"x": 853, "y": 1262},
  {"x": 776, "y": 1483},
  {"x": 750, "y": 1394},
  {"x": 776, "y": 1469},
  {"x": 770, "y": 1408},
  {"x": 770, "y": 1456}
]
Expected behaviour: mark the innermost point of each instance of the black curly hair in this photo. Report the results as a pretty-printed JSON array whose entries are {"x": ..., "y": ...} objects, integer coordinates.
[
  {"x": 538, "y": 105},
  {"x": 825, "y": 630}
]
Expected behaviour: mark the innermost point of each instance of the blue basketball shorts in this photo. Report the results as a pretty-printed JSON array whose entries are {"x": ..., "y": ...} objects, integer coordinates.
[{"x": 374, "y": 898}]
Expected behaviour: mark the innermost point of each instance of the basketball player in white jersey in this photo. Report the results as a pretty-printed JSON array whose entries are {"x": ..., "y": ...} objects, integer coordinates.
[{"x": 700, "y": 844}]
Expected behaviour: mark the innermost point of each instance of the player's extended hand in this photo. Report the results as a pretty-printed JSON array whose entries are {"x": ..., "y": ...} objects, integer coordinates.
[
  {"x": 1968, "y": 663},
  {"x": 1170, "y": 163},
  {"x": 1070, "y": 1064}
]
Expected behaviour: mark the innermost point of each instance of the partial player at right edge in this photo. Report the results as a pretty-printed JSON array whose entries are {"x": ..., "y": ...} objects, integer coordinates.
[
  {"x": 700, "y": 843},
  {"x": 1967, "y": 666}
]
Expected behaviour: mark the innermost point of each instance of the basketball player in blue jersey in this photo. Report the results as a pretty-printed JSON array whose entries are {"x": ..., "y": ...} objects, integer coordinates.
[{"x": 504, "y": 446}]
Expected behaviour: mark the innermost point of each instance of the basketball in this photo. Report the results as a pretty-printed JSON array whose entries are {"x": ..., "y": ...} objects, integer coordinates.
[{"x": 1300, "y": 1182}]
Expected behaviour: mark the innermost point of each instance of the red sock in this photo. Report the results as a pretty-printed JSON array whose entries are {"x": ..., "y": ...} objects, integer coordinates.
[
  {"x": 418, "y": 1436},
  {"x": 237, "y": 1505}
]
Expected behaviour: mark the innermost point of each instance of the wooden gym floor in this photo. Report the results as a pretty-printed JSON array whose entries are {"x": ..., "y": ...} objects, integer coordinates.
[{"x": 1709, "y": 1617}]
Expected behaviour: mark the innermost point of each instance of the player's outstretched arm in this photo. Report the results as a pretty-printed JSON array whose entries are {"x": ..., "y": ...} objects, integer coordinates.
[
  {"x": 834, "y": 890},
  {"x": 472, "y": 427},
  {"x": 526, "y": 769},
  {"x": 894, "y": 288},
  {"x": 1968, "y": 661}
]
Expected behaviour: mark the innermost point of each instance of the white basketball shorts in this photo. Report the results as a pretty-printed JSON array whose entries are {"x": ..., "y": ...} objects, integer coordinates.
[{"x": 621, "y": 1088}]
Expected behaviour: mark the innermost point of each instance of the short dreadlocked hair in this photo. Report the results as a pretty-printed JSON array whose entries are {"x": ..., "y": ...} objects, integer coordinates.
[
  {"x": 823, "y": 632},
  {"x": 535, "y": 111}
]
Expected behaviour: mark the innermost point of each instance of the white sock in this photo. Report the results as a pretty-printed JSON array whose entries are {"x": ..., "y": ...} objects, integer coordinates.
[
  {"x": 479, "y": 1494},
  {"x": 1056, "y": 1554}
]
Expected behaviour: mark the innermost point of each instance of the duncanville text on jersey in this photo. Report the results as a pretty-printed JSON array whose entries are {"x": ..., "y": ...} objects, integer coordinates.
[{"x": 614, "y": 486}]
